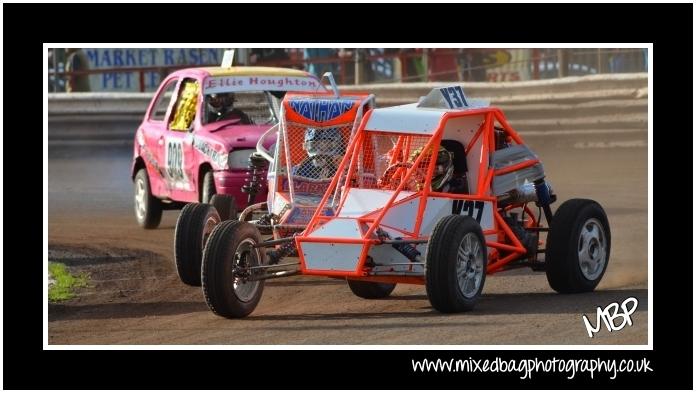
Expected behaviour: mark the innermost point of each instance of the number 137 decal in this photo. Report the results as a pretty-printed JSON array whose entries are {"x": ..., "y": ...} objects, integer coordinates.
[{"x": 454, "y": 95}]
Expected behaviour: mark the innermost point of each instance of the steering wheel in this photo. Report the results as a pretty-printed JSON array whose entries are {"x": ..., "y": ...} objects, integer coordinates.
[{"x": 392, "y": 177}]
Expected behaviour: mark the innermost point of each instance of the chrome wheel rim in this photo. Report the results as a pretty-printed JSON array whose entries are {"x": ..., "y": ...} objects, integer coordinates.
[
  {"x": 592, "y": 249},
  {"x": 470, "y": 265},
  {"x": 140, "y": 198},
  {"x": 245, "y": 256}
]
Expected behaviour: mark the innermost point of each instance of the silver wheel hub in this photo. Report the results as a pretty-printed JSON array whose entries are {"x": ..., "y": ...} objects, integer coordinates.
[
  {"x": 592, "y": 249},
  {"x": 470, "y": 265},
  {"x": 245, "y": 257},
  {"x": 140, "y": 198}
]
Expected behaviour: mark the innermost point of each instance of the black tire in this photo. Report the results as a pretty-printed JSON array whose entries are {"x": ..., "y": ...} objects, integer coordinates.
[
  {"x": 207, "y": 187},
  {"x": 442, "y": 283},
  {"x": 218, "y": 278},
  {"x": 148, "y": 209},
  {"x": 225, "y": 205},
  {"x": 564, "y": 270},
  {"x": 193, "y": 228},
  {"x": 371, "y": 290}
]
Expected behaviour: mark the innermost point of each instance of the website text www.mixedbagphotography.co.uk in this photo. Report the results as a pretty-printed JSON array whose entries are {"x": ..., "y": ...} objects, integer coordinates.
[{"x": 527, "y": 367}]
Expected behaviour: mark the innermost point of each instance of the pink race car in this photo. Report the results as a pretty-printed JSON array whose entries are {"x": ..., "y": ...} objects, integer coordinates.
[{"x": 198, "y": 133}]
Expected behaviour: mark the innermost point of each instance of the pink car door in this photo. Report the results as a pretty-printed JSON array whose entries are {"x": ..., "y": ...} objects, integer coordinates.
[
  {"x": 177, "y": 146},
  {"x": 151, "y": 137}
]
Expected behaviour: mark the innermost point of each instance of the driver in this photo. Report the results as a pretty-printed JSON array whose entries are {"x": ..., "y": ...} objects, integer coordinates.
[
  {"x": 221, "y": 107},
  {"x": 443, "y": 170},
  {"x": 443, "y": 174},
  {"x": 324, "y": 149}
]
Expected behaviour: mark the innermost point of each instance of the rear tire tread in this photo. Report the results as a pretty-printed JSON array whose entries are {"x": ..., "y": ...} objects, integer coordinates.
[{"x": 188, "y": 241}]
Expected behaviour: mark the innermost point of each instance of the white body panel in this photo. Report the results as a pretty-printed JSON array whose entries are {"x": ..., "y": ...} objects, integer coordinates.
[
  {"x": 411, "y": 118},
  {"x": 362, "y": 201},
  {"x": 462, "y": 129},
  {"x": 474, "y": 160},
  {"x": 405, "y": 118},
  {"x": 441, "y": 207},
  {"x": 331, "y": 256},
  {"x": 343, "y": 228},
  {"x": 402, "y": 216}
]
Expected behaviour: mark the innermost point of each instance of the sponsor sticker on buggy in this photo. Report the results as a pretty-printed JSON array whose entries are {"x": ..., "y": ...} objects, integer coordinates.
[
  {"x": 321, "y": 110},
  {"x": 307, "y": 187},
  {"x": 302, "y": 215}
]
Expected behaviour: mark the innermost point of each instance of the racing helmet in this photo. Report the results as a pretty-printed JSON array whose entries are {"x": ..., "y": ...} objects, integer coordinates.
[
  {"x": 444, "y": 166},
  {"x": 323, "y": 142},
  {"x": 220, "y": 102}
]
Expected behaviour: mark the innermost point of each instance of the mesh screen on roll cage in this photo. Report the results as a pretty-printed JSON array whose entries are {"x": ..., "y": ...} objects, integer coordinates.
[
  {"x": 310, "y": 175},
  {"x": 382, "y": 160}
]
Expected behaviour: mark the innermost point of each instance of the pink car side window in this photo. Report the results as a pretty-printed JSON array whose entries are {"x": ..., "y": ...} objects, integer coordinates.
[{"x": 159, "y": 110}]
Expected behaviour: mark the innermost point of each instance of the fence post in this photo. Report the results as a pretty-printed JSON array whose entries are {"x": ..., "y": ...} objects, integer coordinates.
[
  {"x": 426, "y": 64},
  {"x": 358, "y": 73},
  {"x": 562, "y": 62},
  {"x": 342, "y": 64},
  {"x": 55, "y": 70},
  {"x": 535, "y": 63},
  {"x": 243, "y": 56},
  {"x": 397, "y": 68},
  {"x": 601, "y": 61}
]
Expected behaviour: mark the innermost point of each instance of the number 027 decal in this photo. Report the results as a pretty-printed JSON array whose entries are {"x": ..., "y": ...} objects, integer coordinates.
[{"x": 459, "y": 205}]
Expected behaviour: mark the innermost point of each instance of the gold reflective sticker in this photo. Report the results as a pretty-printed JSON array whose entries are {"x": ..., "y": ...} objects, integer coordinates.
[{"x": 186, "y": 107}]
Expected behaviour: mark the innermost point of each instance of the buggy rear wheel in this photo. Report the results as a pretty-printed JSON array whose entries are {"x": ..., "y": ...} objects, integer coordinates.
[
  {"x": 207, "y": 187},
  {"x": 193, "y": 228},
  {"x": 370, "y": 290},
  {"x": 578, "y": 247},
  {"x": 456, "y": 261},
  {"x": 228, "y": 258},
  {"x": 225, "y": 205}
]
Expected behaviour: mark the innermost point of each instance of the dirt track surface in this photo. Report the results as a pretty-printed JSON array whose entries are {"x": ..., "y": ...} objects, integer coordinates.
[{"x": 136, "y": 298}]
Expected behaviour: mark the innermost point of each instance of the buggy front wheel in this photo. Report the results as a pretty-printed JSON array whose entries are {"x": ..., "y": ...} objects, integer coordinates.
[
  {"x": 228, "y": 261},
  {"x": 456, "y": 261}
]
